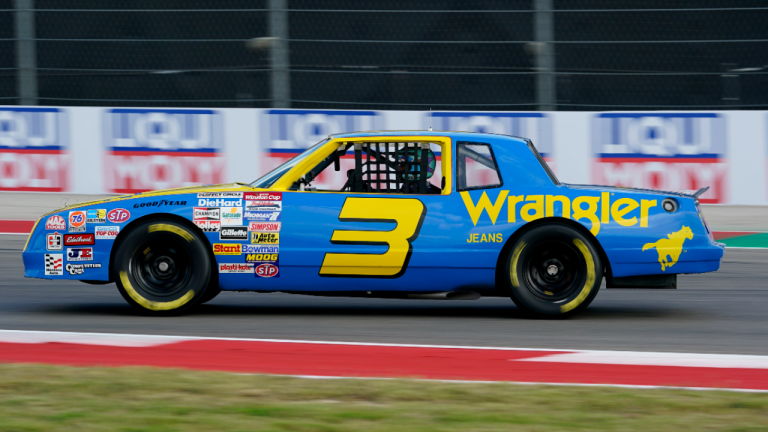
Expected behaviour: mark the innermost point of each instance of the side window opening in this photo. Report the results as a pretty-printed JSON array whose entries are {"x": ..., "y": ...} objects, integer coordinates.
[
  {"x": 378, "y": 167},
  {"x": 476, "y": 167}
]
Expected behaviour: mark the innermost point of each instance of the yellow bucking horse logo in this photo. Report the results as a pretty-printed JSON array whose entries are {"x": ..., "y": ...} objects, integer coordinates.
[{"x": 671, "y": 247}]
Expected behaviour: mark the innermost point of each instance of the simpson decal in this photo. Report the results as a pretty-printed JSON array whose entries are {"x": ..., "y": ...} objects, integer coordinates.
[
  {"x": 226, "y": 249},
  {"x": 56, "y": 222},
  {"x": 77, "y": 221},
  {"x": 54, "y": 264},
  {"x": 265, "y": 238},
  {"x": 264, "y": 226}
]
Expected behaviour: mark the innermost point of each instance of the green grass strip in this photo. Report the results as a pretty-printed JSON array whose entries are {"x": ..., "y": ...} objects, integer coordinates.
[
  {"x": 751, "y": 240},
  {"x": 54, "y": 398}
]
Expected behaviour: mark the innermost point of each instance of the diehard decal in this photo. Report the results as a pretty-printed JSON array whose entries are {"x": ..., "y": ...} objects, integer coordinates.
[
  {"x": 219, "y": 202},
  {"x": 264, "y": 226},
  {"x": 107, "y": 232},
  {"x": 80, "y": 254},
  {"x": 235, "y": 268},
  {"x": 226, "y": 249},
  {"x": 233, "y": 233},
  {"x": 56, "y": 222},
  {"x": 209, "y": 226},
  {"x": 268, "y": 238},
  {"x": 77, "y": 221},
  {"x": 118, "y": 215},
  {"x": 78, "y": 269},
  {"x": 54, "y": 242},
  {"x": 54, "y": 264},
  {"x": 97, "y": 216},
  {"x": 78, "y": 239},
  {"x": 670, "y": 248}
]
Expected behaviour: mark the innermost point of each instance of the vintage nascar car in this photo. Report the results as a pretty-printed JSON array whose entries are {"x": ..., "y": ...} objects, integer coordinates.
[{"x": 445, "y": 215}]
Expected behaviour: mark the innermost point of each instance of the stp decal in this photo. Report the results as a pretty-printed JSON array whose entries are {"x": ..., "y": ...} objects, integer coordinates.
[
  {"x": 118, "y": 215},
  {"x": 666, "y": 151},
  {"x": 34, "y": 152},
  {"x": 148, "y": 149},
  {"x": 267, "y": 270}
]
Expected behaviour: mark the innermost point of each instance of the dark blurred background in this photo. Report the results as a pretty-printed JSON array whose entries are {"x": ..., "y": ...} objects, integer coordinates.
[{"x": 393, "y": 54}]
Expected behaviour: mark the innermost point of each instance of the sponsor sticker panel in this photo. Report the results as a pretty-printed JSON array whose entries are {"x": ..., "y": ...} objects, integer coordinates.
[
  {"x": 226, "y": 249},
  {"x": 96, "y": 216},
  {"x": 209, "y": 226},
  {"x": 240, "y": 268},
  {"x": 56, "y": 222},
  {"x": 667, "y": 151},
  {"x": 267, "y": 270},
  {"x": 118, "y": 215},
  {"x": 54, "y": 242},
  {"x": 231, "y": 216},
  {"x": 34, "y": 150},
  {"x": 260, "y": 249},
  {"x": 151, "y": 149},
  {"x": 77, "y": 221},
  {"x": 262, "y": 216},
  {"x": 80, "y": 254},
  {"x": 264, "y": 226},
  {"x": 106, "y": 232},
  {"x": 234, "y": 233},
  {"x": 265, "y": 238},
  {"x": 54, "y": 264},
  {"x": 78, "y": 269},
  {"x": 79, "y": 239}
]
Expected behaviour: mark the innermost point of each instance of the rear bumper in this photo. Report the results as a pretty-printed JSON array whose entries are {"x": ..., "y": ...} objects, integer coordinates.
[{"x": 694, "y": 260}]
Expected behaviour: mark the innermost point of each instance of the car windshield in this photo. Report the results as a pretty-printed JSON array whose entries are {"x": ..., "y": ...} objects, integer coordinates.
[{"x": 271, "y": 177}]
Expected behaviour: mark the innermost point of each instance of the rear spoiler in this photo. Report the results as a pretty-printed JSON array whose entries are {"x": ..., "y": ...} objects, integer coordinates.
[{"x": 695, "y": 194}]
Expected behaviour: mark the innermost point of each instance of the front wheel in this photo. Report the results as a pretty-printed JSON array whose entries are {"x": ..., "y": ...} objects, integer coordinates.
[
  {"x": 553, "y": 271},
  {"x": 162, "y": 268}
]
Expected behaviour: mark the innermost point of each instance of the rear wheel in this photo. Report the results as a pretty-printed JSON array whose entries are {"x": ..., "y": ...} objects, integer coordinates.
[
  {"x": 162, "y": 268},
  {"x": 553, "y": 271}
]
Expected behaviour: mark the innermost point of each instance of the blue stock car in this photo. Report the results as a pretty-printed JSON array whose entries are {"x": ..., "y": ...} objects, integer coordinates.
[{"x": 383, "y": 214}]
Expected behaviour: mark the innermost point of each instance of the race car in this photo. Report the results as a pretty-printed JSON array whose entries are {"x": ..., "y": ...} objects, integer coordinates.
[{"x": 394, "y": 214}]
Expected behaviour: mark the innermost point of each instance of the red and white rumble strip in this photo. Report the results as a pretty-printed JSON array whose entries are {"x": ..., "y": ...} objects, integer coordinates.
[{"x": 341, "y": 359}]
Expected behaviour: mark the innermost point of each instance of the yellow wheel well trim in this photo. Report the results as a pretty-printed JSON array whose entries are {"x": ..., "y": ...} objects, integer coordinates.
[
  {"x": 285, "y": 182},
  {"x": 153, "y": 305},
  {"x": 172, "y": 228},
  {"x": 591, "y": 276}
]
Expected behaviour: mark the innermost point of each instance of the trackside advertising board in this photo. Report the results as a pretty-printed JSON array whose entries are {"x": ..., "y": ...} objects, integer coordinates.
[{"x": 94, "y": 150}]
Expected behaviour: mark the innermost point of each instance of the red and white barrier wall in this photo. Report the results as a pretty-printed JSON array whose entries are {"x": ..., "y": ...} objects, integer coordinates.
[{"x": 119, "y": 150}]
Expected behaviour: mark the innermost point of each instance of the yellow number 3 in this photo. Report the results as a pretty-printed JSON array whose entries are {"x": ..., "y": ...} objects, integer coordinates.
[{"x": 407, "y": 213}]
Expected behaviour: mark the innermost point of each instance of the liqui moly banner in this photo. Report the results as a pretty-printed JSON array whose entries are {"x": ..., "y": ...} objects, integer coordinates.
[
  {"x": 94, "y": 150},
  {"x": 34, "y": 152},
  {"x": 149, "y": 149},
  {"x": 667, "y": 151}
]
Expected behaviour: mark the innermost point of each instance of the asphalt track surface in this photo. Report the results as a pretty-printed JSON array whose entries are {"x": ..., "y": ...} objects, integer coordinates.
[{"x": 723, "y": 312}]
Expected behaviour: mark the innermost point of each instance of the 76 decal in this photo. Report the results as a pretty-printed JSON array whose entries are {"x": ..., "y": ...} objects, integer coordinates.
[{"x": 408, "y": 215}]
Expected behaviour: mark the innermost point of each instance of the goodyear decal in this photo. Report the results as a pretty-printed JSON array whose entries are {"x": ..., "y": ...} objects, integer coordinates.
[{"x": 589, "y": 210}]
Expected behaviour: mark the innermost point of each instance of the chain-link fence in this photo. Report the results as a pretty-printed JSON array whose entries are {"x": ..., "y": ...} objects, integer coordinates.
[{"x": 394, "y": 54}]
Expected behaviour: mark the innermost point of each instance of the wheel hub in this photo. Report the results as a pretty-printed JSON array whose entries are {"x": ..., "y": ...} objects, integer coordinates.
[{"x": 552, "y": 270}]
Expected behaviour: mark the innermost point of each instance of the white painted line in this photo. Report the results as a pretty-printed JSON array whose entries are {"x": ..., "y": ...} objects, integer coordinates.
[
  {"x": 24, "y": 234},
  {"x": 657, "y": 359},
  {"x": 35, "y": 337}
]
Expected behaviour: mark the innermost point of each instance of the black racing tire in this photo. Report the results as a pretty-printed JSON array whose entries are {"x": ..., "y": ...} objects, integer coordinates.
[
  {"x": 162, "y": 267},
  {"x": 553, "y": 271},
  {"x": 211, "y": 292}
]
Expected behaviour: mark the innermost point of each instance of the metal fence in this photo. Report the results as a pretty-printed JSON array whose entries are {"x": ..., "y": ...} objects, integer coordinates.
[{"x": 394, "y": 54}]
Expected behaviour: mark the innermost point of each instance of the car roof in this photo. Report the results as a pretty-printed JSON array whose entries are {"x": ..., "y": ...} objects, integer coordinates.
[{"x": 469, "y": 136}]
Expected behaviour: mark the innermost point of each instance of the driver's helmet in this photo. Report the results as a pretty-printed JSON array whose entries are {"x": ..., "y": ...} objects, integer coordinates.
[{"x": 413, "y": 157}]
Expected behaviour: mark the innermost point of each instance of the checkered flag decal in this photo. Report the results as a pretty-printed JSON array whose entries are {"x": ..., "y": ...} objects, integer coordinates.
[{"x": 53, "y": 261}]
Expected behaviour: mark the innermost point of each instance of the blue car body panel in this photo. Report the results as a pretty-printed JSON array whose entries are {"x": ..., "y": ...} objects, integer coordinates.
[{"x": 458, "y": 245}]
